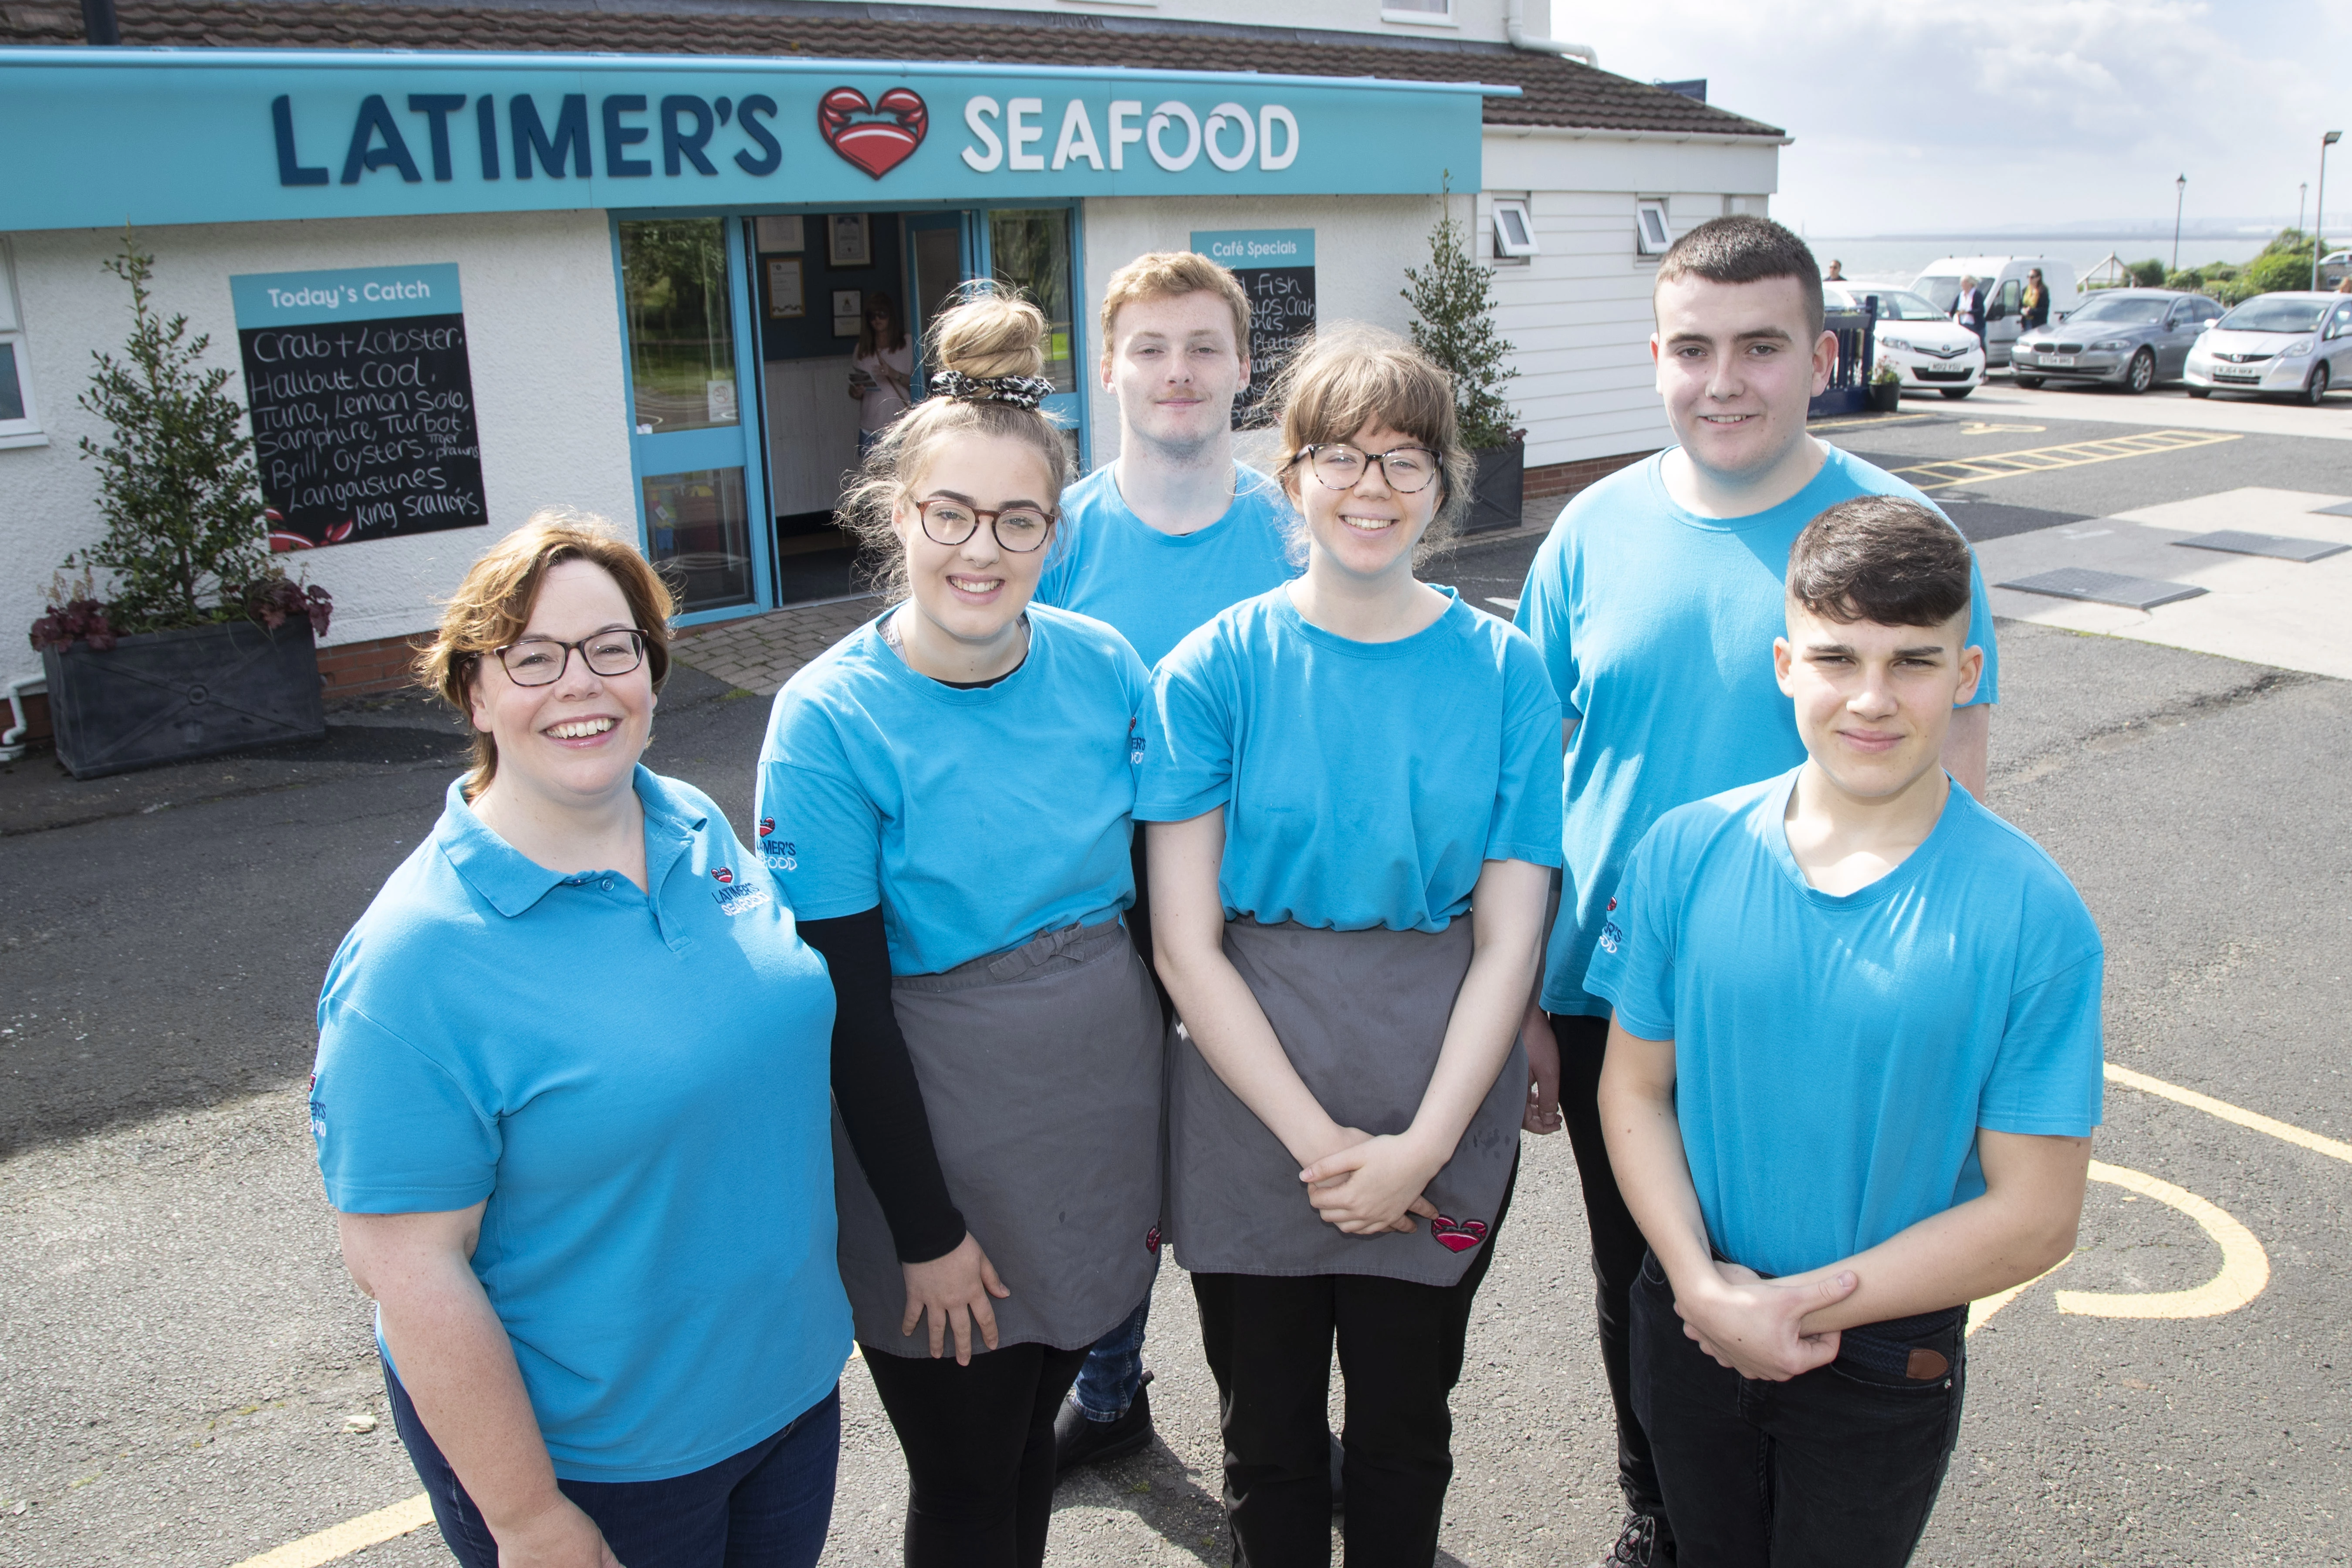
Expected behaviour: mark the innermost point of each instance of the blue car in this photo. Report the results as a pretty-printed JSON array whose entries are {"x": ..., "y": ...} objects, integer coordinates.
[{"x": 2130, "y": 338}]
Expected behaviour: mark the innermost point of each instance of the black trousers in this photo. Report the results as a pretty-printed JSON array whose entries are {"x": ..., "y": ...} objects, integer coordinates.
[
  {"x": 1618, "y": 1250},
  {"x": 1268, "y": 1343},
  {"x": 979, "y": 1442},
  {"x": 1837, "y": 1469}
]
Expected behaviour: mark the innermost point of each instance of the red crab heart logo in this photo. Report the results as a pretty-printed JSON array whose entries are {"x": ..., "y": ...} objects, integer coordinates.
[
  {"x": 1457, "y": 1235},
  {"x": 876, "y": 145},
  {"x": 722, "y": 874}
]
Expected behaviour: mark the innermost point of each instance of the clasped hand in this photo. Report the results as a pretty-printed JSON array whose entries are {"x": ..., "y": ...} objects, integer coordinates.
[
  {"x": 1372, "y": 1184},
  {"x": 954, "y": 1291},
  {"x": 1753, "y": 1325}
]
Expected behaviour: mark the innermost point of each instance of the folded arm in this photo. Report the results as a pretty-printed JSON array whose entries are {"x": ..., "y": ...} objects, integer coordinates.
[{"x": 459, "y": 1367}]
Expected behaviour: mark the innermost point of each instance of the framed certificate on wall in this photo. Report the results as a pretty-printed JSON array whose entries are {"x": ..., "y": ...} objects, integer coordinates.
[
  {"x": 848, "y": 305},
  {"x": 785, "y": 298},
  {"x": 779, "y": 234},
  {"x": 849, "y": 242}
]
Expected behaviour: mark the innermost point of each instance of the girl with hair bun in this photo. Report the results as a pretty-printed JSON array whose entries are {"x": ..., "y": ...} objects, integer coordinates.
[
  {"x": 1354, "y": 787},
  {"x": 946, "y": 797}
]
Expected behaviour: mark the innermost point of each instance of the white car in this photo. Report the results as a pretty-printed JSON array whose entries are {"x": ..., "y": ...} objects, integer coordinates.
[
  {"x": 2293, "y": 343},
  {"x": 1934, "y": 352}
]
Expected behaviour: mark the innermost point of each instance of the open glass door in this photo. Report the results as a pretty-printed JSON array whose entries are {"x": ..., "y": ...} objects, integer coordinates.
[
  {"x": 1030, "y": 249},
  {"x": 939, "y": 258},
  {"x": 697, "y": 484}
]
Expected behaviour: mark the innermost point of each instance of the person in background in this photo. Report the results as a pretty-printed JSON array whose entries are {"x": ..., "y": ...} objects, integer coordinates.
[
  {"x": 569, "y": 1105},
  {"x": 1156, "y": 542},
  {"x": 1968, "y": 308},
  {"x": 1836, "y": 274},
  {"x": 1353, "y": 787},
  {"x": 882, "y": 371},
  {"x": 1651, "y": 602},
  {"x": 1853, "y": 1076},
  {"x": 2343, "y": 284},
  {"x": 946, "y": 797},
  {"x": 2033, "y": 305}
]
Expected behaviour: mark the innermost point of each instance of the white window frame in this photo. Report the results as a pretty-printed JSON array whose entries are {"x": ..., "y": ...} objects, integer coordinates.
[
  {"x": 1441, "y": 16},
  {"x": 1645, "y": 246},
  {"x": 25, "y": 432},
  {"x": 1504, "y": 246}
]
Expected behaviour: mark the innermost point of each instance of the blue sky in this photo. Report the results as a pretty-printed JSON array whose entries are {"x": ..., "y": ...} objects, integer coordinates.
[{"x": 1914, "y": 118}]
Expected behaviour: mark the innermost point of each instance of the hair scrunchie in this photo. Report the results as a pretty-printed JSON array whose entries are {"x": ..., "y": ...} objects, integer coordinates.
[{"x": 1020, "y": 391}]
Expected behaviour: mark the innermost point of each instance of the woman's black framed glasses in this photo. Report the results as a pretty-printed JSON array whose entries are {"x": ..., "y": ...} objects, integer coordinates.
[
  {"x": 1407, "y": 469},
  {"x": 541, "y": 661},
  {"x": 1019, "y": 529}
]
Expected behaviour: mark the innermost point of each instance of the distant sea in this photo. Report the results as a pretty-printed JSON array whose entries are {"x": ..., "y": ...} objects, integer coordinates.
[{"x": 1886, "y": 257}]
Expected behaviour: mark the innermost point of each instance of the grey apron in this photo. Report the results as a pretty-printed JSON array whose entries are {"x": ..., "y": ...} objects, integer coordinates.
[
  {"x": 1042, "y": 1072},
  {"x": 1362, "y": 1016}
]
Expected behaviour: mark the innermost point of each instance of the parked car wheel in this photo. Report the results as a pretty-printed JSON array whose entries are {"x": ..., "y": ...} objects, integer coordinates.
[
  {"x": 1960, "y": 391},
  {"x": 2029, "y": 382},
  {"x": 2315, "y": 391},
  {"x": 2200, "y": 391},
  {"x": 2142, "y": 374}
]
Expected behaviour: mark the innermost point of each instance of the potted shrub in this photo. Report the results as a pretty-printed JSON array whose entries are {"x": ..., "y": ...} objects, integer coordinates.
[
  {"x": 1886, "y": 387},
  {"x": 1453, "y": 301},
  {"x": 177, "y": 636}
]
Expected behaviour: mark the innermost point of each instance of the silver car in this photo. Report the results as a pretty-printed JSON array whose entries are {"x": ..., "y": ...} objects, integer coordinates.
[
  {"x": 2131, "y": 338},
  {"x": 2293, "y": 342}
]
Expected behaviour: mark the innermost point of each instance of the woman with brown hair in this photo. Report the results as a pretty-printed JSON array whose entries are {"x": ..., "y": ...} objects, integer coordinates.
[
  {"x": 945, "y": 795},
  {"x": 1353, "y": 787},
  {"x": 882, "y": 371},
  {"x": 571, "y": 1108}
]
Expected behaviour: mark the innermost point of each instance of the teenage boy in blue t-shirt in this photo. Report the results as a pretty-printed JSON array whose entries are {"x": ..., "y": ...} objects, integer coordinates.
[
  {"x": 1851, "y": 1080},
  {"x": 1158, "y": 542},
  {"x": 1654, "y": 602}
]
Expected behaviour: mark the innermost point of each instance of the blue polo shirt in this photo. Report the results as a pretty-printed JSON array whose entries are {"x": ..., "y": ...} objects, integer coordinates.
[
  {"x": 976, "y": 817},
  {"x": 639, "y": 1086},
  {"x": 1835, "y": 1054},
  {"x": 1364, "y": 784},
  {"x": 1656, "y": 625},
  {"x": 1155, "y": 587}
]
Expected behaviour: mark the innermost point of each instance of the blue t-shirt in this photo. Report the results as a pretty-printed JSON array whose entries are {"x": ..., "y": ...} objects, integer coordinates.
[
  {"x": 1364, "y": 784},
  {"x": 1656, "y": 625},
  {"x": 976, "y": 819},
  {"x": 639, "y": 1087},
  {"x": 1155, "y": 587},
  {"x": 1834, "y": 1054}
]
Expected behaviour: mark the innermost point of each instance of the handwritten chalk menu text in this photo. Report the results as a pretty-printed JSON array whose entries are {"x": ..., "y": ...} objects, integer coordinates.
[
  {"x": 362, "y": 403},
  {"x": 1276, "y": 270}
]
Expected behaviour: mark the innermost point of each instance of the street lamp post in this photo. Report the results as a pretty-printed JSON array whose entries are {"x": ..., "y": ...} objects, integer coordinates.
[
  {"x": 2319, "y": 208},
  {"x": 2179, "y": 195},
  {"x": 2302, "y": 203}
]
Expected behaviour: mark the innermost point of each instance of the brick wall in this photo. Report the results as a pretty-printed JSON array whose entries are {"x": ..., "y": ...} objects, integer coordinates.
[
  {"x": 364, "y": 669},
  {"x": 1567, "y": 479}
]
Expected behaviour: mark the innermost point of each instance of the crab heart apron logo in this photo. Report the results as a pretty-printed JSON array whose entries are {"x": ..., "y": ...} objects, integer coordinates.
[
  {"x": 1457, "y": 1235},
  {"x": 890, "y": 130}
]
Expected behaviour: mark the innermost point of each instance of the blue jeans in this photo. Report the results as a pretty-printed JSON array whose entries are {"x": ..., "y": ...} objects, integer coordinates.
[
  {"x": 1114, "y": 1370},
  {"x": 767, "y": 1506}
]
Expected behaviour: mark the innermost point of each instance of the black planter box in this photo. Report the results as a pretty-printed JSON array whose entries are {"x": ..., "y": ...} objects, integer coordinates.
[
  {"x": 165, "y": 697},
  {"x": 1499, "y": 492},
  {"x": 1886, "y": 396}
]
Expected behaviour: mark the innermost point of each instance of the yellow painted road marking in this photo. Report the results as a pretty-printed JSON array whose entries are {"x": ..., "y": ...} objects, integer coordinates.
[
  {"x": 352, "y": 1535},
  {"x": 1882, "y": 421},
  {"x": 1980, "y": 1310},
  {"x": 2245, "y": 1266},
  {"x": 2046, "y": 459},
  {"x": 2282, "y": 1131}
]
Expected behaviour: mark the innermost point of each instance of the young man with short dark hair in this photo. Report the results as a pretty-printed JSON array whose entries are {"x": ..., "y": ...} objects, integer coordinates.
[
  {"x": 1655, "y": 603},
  {"x": 1852, "y": 1078},
  {"x": 1157, "y": 542}
]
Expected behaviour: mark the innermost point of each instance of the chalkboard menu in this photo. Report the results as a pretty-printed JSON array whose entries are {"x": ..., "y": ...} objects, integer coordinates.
[
  {"x": 362, "y": 403},
  {"x": 1276, "y": 270}
]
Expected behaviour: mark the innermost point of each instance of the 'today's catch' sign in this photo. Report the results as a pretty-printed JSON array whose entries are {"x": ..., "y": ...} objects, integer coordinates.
[{"x": 362, "y": 403}]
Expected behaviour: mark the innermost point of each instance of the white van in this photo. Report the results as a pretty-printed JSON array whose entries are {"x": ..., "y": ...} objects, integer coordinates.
[{"x": 2002, "y": 278}]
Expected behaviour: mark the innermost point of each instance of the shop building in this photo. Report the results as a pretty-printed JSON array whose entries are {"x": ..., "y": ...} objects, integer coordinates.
[{"x": 468, "y": 262}]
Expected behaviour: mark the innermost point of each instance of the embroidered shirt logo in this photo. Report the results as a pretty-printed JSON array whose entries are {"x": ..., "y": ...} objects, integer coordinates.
[
  {"x": 779, "y": 852},
  {"x": 768, "y": 826},
  {"x": 733, "y": 899},
  {"x": 1134, "y": 744},
  {"x": 1610, "y": 936},
  {"x": 1457, "y": 1235}
]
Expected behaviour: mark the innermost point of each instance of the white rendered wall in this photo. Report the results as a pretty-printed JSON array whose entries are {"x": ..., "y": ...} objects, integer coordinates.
[
  {"x": 1578, "y": 312},
  {"x": 1480, "y": 20},
  {"x": 543, "y": 339}
]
